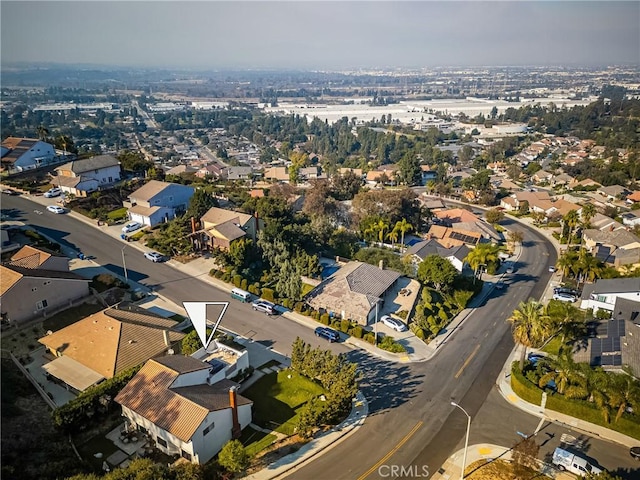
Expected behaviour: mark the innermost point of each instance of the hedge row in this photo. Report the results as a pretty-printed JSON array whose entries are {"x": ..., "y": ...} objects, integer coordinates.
[{"x": 580, "y": 409}]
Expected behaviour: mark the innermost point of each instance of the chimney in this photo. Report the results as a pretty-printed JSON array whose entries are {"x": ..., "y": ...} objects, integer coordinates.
[
  {"x": 381, "y": 264},
  {"x": 165, "y": 336},
  {"x": 236, "y": 431}
]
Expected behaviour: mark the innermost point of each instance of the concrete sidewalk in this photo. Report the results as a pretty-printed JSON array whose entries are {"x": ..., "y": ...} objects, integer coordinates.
[
  {"x": 504, "y": 386},
  {"x": 452, "y": 468}
]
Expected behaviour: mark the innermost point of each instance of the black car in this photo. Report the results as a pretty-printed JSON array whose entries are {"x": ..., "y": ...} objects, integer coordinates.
[
  {"x": 566, "y": 291},
  {"x": 635, "y": 452},
  {"x": 328, "y": 333}
]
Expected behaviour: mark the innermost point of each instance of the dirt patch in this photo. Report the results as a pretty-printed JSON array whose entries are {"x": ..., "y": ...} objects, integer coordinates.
[
  {"x": 276, "y": 451},
  {"x": 500, "y": 470}
]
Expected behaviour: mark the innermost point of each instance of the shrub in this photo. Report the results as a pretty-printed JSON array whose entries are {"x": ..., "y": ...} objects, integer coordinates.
[
  {"x": 369, "y": 337},
  {"x": 390, "y": 345},
  {"x": 315, "y": 315},
  {"x": 104, "y": 281},
  {"x": 298, "y": 307},
  {"x": 345, "y": 325},
  {"x": 357, "y": 332},
  {"x": 324, "y": 319},
  {"x": 237, "y": 280},
  {"x": 267, "y": 294},
  {"x": 443, "y": 315},
  {"x": 402, "y": 314},
  {"x": 252, "y": 289},
  {"x": 602, "y": 314},
  {"x": 257, "y": 286},
  {"x": 212, "y": 272},
  {"x": 243, "y": 284},
  {"x": 219, "y": 274},
  {"x": 420, "y": 333}
]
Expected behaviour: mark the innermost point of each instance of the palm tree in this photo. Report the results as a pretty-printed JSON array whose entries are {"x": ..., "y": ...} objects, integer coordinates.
[
  {"x": 42, "y": 132},
  {"x": 567, "y": 262},
  {"x": 483, "y": 254},
  {"x": 590, "y": 267},
  {"x": 623, "y": 392},
  {"x": 567, "y": 376},
  {"x": 403, "y": 227},
  {"x": 571, "y": 220},
  {"x": 378, "y": 228},
  {"x": 588, "y": 212},
  {"x": 530, "y": 326},
  {"x": 393, "y": 236}
]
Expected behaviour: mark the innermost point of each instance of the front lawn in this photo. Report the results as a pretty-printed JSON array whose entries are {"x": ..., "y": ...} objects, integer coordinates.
[
  {"x": 255, "y": 441},
  {"x": 278, "y": 398}
]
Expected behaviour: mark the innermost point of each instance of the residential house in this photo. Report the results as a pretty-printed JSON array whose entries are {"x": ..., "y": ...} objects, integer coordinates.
[
  {"x": 427, "y": 174},
  {"x": 455, "y": 215},
  {"x": 421, "y": 250},
  {"x": 356, "y": 171},
  {"x": 182, "y": 170},
  {"x": 20, "y": 154},
  {"x": 278, "y": 174},
  {"x": 561, "y": 179},
  {"x": 238, "y": 173},
  {"x": 604, "y": 293},
  {"x": 220, "y": 227},
  {"x": 354, "y": 291},
  {"x": 542, "y": 176},
  {"x": 452, "y": 237},
  {"x": 310, "y": 173},
  {"x": 158, "y": 202},
  {"x": 384, "y": 174},
  {"x": 174, "y": 401},
  {"x": 562, "y": 207},
  {"x": 631, "y": 218},
  {"x": 433, "y": 204},
  {"x": 633, "y": 197},
  {"x": 212, "y": 170},
  {"x": 28, "y": 293},
  {"x": 32, "y": 257},
  {"x": 582, "y": 184},
  {"x": 108, "y": 343},
  {"x": 80, "y": 177},
  {"x": 618, "y": 247},
  {"x": 613, "y": 192}
]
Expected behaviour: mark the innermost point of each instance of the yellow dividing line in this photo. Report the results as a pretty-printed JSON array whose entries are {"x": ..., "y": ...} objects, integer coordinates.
[
  {"x": 395, "y": 449},
  {"x": 473, "y": 354}
]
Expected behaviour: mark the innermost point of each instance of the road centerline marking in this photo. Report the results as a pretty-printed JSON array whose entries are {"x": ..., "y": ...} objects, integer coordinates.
[
  {"x": 393, "y": 450},
  {"x": 464, "y": 365}
]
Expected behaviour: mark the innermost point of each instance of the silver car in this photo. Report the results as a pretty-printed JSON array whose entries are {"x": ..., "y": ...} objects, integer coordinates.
[{"x": 393, "y": 323}]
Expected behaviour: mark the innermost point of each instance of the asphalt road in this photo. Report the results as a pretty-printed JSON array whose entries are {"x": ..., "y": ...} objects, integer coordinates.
[{"x": 411, "y": 419}]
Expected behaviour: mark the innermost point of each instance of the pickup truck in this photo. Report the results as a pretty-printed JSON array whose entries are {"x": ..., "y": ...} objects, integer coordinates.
[{"x": 572, "y": 462}]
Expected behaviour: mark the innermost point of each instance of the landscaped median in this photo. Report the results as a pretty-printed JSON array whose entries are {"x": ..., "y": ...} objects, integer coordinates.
[{"x": 628, "y": 424}]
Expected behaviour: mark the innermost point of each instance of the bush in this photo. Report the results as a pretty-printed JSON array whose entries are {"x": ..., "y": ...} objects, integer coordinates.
[
  {"x": 243, "y": 284},
  {"x": 523, "y": 387},
  {"x": 345, "y": 325},
  {"x": 324, "y": 319},
  {"x": 315, "y": 315},
  {"x": 104, "y": 281},
  {"x": 443, "y": 315},
  {"x": 237, "y": 280},
  {"x": 369, "y": 337},
  {"x": 357, "y": 332},
  {"x": 390, "y": 345},
  {"x": 212, "y": 272},
  {"x": 602, "y": 314},
  {"x": 252, "y": 289},
  {"x": 219, "y": 274},
  {"x": 402, "y": 314},
  {"x": 298, "y": 307},
  {"x": 268, "y": 294}
]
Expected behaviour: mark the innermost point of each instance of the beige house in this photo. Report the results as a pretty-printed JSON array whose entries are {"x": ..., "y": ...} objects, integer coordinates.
[
  {"x": 107, "y": 343},
  {"x": 31, "y": 257},
  {"x": 220, "y": 227}
]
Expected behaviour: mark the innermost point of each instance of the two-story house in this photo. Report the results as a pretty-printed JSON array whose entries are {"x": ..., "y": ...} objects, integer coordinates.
[
  {"x": 186, "y": 406},
  {"x": 84, "y": 176},
  {"x": 36, "y": 282},
  {"x": 158, "y": 202},
  {"x": 603, "y": 294},
  {"x": 220, "y": 227},
  {"x": 20, "y": 154}
]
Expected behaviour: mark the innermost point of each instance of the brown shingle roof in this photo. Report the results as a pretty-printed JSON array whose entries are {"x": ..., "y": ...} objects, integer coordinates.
[
  {"x": 179, "y": 411},
  {"x": 218, "y": 216},
  {"x": 150, "y": 190},
  {"x": 113, "y": 340},
  {"x": 30, "y": 257},
  {"x": 17, "y": 147},
  {"x": 8, "y": 278}
]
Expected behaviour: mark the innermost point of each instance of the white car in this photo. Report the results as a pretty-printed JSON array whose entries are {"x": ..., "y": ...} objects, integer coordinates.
[
  {"x": 394, "y": 324},
  {"x": 564, "y": 297},
  {"x": 154, "y": 256},
  {"x": 264, "y": 306},
  {"x": 55, "y": 209},
  {"x": 53, "y": 192},
  {"x": 131, "y": 227}
]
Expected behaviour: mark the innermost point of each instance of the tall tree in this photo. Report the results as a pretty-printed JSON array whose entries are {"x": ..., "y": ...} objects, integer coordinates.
[
  {"x": 403, "y": 227},
  {"x": 484, "y": 254},
  {"x": 233, "y": 456},
  {"x": 588, "y": 212},
  {"x": 571, "y": 220},
  {"x": 530, "y": 325},
  {"x": 437, "y": 271},
  {"x": 200, "y": 203}
]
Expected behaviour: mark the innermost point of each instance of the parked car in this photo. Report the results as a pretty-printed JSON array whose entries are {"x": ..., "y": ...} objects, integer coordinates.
[
  {"x": 635, "y": 452},
  {"x": 154, "y": 256},
  {"x": 131, "y": 227},
  {"x": 327, "y": 333},
  {"x": 535, "y": 357},
  {"x": 510, "y": 268},
  {"x": 552, "y": 268},
  {"x": 393, "y": 323},
  {"x": 573, "y": 462},
  {"x": 568, "y": 291},
  {"x": 564, "y": 297},
  {"x": 8, "y": 191},
  {"x": 53, "y": 192},
  {"x": 55, "y": 209},
  {"x": 264, "y": 306}
]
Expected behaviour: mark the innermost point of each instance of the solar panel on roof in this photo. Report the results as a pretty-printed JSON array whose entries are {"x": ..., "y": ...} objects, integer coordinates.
[
  {"x": 596, "y": 346},
  {"x": 595, "y": 360},
  {"x": 616, "y": 344},
  {"x": 617, "y": 360},
  {"x": 602, "y": 253},
  {"x": 605, "y": 361}
]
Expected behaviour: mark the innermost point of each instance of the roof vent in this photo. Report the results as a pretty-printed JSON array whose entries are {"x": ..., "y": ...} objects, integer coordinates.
[
  {"x": 170, "y": 351},
  {"x": 49, "y": 332},
  {"x": 131, "y": 342}
]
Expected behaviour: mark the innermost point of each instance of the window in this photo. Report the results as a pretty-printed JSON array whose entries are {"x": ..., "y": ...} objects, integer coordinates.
[
  {"x": 185, "y": 455},
  {"x": 208, "y": 429},
  {"x": 601, "y": 298},
  {"x": 162, "y": 441},
  {"x": 41, "y": 304}
]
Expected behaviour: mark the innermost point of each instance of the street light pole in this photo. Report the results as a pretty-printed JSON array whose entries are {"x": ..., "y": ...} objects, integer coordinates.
[
  {"x": 466, "y": 440},
  {"x": 124, "y": 266}
]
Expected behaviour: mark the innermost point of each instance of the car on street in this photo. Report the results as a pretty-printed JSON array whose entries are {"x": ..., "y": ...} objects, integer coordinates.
[
  {"x": 53, "y": 192},
  {"x": 552, "y": 268},
  {"x": 564, "y": 297},
  {"x": 154, "y": 256},
  {"x": 8, "y": 191},
  {"x": 393, "y": 323},
  {"x": 264, "y": 306},
  {"x": 568, "y": 291},
  {"x": 328, "y": 334},
  {"x": 510, "y": 268},
  {"x": 131, "y": 227},
  {"x": 635, "y": 452},
  {"x": 55, "y": 209}
]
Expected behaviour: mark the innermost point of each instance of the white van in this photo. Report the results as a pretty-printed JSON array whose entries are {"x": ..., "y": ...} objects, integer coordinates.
[
  {"x": 566, "y": 460},
  {"x": 240, "y": 294}
]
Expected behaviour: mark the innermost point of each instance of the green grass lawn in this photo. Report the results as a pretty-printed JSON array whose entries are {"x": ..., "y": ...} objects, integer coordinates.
[
  {"x": 118, "y": 214},
  {"x": 553, "y": 347},
  {"x": 306, "y": 288},
  {"x": 255, "y": 441},
  {"x": 277, "y": 399}
]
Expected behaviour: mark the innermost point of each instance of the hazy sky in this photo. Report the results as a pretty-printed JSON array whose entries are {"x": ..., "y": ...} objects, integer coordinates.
[{"x": 332, "y": 35}]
